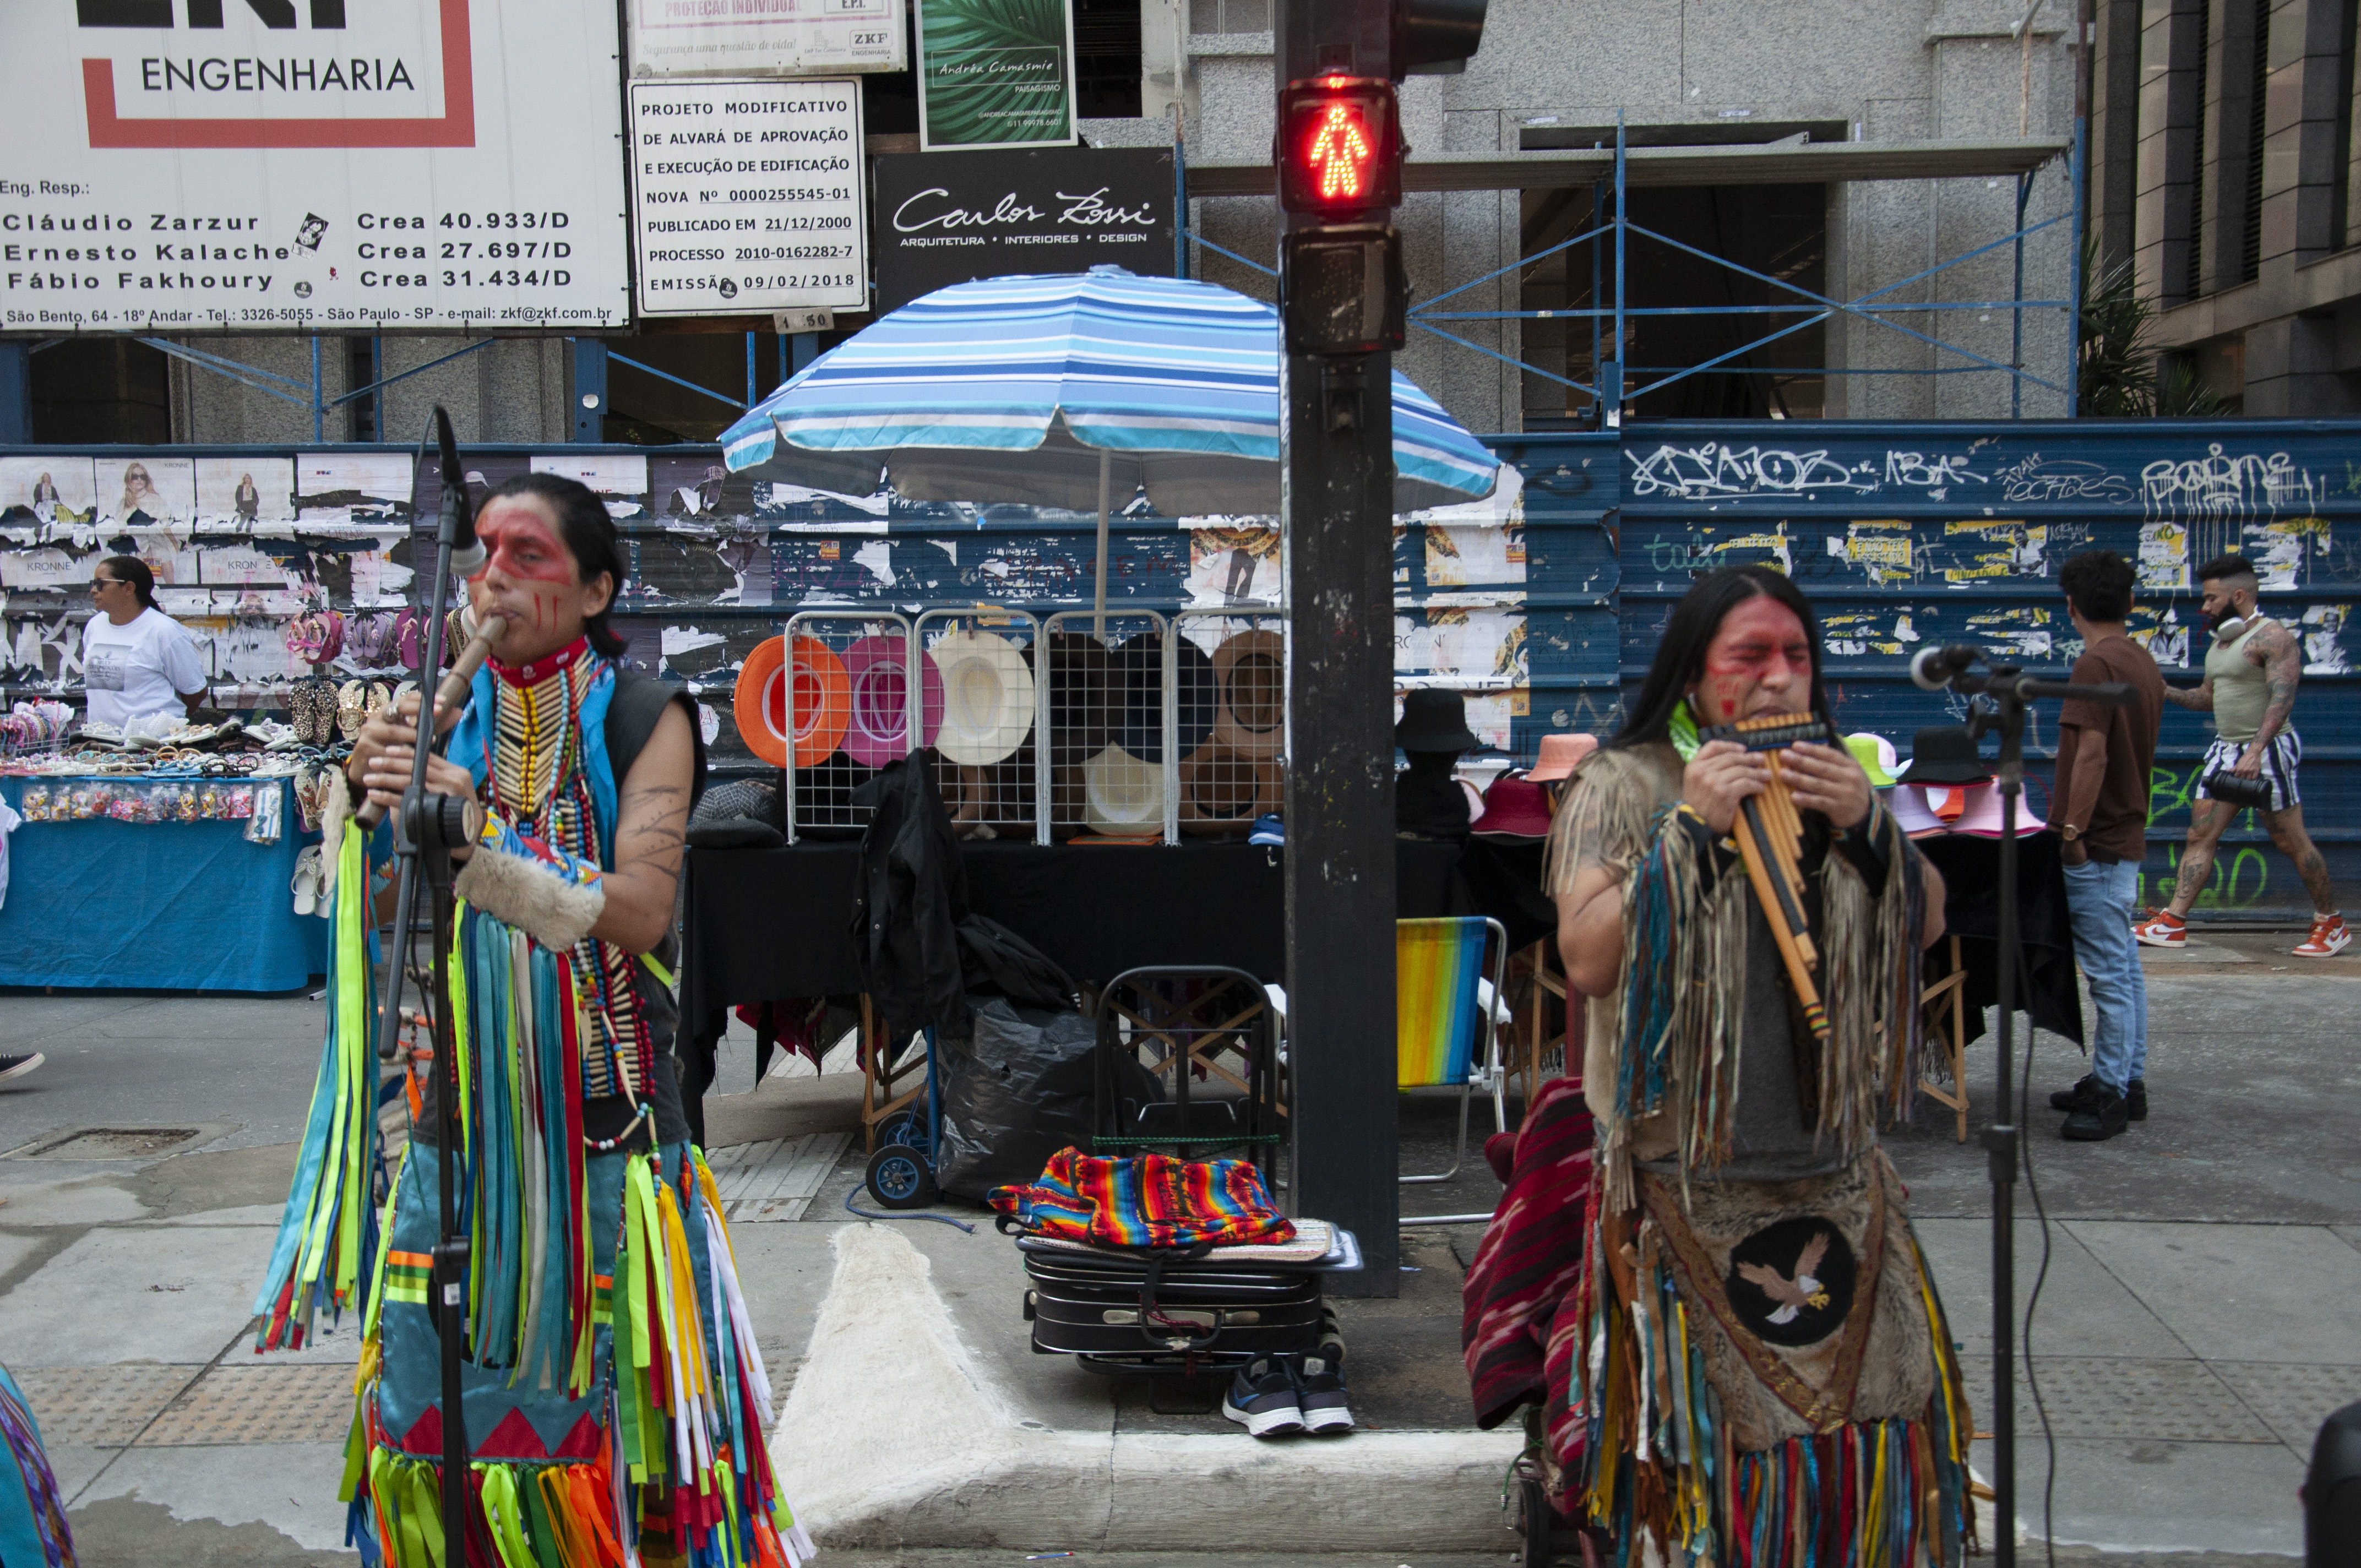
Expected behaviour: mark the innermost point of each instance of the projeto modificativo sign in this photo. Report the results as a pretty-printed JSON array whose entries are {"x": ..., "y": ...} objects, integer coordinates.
[
  {"x": 746, "y": 196},
  {"x": 259, "y": 166},
  {"x": 944, "y": 219}
]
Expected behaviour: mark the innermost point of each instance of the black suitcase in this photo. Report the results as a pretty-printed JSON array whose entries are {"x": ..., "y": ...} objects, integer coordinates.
[{"x": 1093, "y": 1307}]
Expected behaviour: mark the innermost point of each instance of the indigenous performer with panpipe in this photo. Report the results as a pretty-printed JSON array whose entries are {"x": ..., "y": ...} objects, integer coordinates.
[
  {"x": 614, "y": 1398},
  {"x": 1768, "y": 1379}
]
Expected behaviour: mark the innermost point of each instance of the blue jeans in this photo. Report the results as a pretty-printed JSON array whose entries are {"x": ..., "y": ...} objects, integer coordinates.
[{"x": 2099, "y": 904}]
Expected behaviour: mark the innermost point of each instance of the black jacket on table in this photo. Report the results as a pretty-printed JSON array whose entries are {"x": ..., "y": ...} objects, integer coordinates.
[{"x": 908, "y": 904}]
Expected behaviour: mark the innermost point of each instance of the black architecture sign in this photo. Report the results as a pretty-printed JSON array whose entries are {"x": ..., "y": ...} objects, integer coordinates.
[{"x": 947, "y": 217}]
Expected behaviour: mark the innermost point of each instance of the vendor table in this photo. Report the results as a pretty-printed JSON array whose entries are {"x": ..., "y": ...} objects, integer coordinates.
[{"x": 156, "y": 905}]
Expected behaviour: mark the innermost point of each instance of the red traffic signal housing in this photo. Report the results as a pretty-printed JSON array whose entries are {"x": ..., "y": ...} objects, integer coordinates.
[{"x": 1340, "y": 147}]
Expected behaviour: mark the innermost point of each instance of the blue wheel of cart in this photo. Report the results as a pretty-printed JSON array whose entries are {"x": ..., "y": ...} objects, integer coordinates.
[
  {"x": 899, "y": 1179},
  {"x": 908, "y": 1128}
]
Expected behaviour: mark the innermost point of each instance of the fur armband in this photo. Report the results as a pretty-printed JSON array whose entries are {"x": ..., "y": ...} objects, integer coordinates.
[{"x": 546, "y": 906}]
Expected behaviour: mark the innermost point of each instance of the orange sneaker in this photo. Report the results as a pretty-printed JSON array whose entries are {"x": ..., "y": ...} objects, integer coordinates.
[
  {"x": 2328, "y": 938},
  {"x": 2163, "y": 929}
]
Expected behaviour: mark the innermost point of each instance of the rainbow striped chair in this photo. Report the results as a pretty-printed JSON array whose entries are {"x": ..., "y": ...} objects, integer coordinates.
[{"x": 1446, "y": 1037}]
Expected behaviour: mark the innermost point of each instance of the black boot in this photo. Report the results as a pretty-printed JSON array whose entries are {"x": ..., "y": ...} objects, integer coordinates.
[
  {"x": 2101, "y": 1117},
  {"x": 2082, "y": 1096}
]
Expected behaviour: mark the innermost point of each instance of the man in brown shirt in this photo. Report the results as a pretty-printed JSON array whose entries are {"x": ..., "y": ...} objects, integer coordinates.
[{"x": 2099, "y": 807}]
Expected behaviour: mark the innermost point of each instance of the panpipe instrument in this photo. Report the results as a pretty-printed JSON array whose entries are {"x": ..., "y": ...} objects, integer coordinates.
[
  {"x": 1770, "y": 837},
  {"x": 476, "y": 641}
]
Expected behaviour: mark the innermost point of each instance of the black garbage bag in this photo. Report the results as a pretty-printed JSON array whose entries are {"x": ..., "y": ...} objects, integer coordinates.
[{"x": 1016, "y": 1092}]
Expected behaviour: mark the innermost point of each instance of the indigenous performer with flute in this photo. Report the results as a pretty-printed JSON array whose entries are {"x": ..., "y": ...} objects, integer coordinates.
[
  {"x": 614, "y": 1399},
  {"x": 1767, "y": 1375}
]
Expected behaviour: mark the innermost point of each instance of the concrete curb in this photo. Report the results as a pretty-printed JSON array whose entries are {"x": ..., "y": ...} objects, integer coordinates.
[{"x": 895, "y": 1437}]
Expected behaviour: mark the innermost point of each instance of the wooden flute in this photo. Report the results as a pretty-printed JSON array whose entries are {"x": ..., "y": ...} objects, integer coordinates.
[{"x": 1770, "y": 834}]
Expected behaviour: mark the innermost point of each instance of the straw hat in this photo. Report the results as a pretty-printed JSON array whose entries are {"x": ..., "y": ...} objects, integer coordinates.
[
  {"x": 1136, "y": 670},
  {"x": 1250, "y": 674},
  {"x": 1121, "y": 792},
  {"x": 1561, "y": 754},
  {"x": 987, "y": 696},
  {"x": 1221, "y": 790},
  {"x": 878, "y": 710},
  {"x": 821, "y": 694}
]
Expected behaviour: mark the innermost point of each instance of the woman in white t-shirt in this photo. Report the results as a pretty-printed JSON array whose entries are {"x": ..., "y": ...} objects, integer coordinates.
[{"x": 136, "y": 660}]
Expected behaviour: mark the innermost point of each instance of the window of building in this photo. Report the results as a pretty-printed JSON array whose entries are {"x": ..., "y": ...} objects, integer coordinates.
[
  {"x": 93, "y": 389},
  {"x": 2202, "y": 19},
  {"x": 1106, "y": 59},
  {"x": 2250, "y": 240},
  {"x": 1229, "y": 16},
  {"x": 2344, "y": 194}
]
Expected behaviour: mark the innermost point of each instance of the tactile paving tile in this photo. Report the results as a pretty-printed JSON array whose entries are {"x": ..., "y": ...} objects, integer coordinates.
[
  {"x": 2292, "y": 1398},
  {"x": 2098, "y": 1397},
  {"x": 104, "y": 1405},
  {"x": 258, "y": 1404}
]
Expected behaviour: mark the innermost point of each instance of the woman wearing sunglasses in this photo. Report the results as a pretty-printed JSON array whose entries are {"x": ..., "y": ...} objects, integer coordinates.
[{"x": 136, "y": 660}]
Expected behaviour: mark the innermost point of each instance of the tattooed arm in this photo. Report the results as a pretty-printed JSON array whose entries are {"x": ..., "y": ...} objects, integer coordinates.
[
  {"x": 2198, "y": 698},
  {"x": 2275, "y": 649},
  {"x": 652, "y": 815}
]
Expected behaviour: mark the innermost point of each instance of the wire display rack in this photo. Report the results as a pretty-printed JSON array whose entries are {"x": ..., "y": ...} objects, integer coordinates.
[
  {"x": 852, "y": 705},
  {"x": 1231, "y": 721},
  {"x": 994, "y": 780},
  {"x": 1112, "y": 767}
]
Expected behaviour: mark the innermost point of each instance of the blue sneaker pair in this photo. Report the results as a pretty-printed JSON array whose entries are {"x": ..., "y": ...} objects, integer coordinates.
[
  {"x": 1268, "y": 830},
  {"x": 1278, "y": 1396}
]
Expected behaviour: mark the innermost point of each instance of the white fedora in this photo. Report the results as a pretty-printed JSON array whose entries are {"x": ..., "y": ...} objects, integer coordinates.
[
  {"x": 1122, "y": 794},
  {"x": 987, "y": 697}
]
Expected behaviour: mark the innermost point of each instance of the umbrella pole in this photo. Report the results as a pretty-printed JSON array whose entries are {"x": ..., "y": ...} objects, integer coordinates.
[{"x": 1098, "y": 599}]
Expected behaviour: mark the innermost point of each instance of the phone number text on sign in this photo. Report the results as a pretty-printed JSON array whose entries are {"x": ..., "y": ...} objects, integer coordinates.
[{"x": 730, "y": 176}]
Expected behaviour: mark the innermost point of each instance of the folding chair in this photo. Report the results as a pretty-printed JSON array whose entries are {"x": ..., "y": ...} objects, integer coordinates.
[
  {"x": 1944, "y": 1003},
  {"x": 1445, "y": 1035}
]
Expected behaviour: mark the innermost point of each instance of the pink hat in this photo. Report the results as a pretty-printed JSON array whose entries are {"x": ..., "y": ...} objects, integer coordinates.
[
  {"x": 877, "y": 727},
  {"x": 1981, "y": 815},
  {"x": 1560, "y": 755},
  {"x": 1514, "y": 808},
  {"x": 1908, "y": 804}
]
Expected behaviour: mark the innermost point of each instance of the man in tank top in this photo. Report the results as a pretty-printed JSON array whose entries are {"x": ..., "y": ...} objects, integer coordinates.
[{"x": 2253, "y": 665}]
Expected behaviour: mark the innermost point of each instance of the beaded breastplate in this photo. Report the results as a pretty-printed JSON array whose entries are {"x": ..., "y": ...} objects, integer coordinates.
[{"x": 539, "y": 784}]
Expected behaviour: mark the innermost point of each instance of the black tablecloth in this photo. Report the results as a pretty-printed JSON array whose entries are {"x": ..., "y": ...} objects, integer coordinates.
[
  {"x": 761, "y": 923},
  {"x": 1971, "y": 867}
]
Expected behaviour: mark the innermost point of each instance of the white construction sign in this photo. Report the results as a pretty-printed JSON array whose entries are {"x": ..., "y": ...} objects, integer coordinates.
[
  {"x": 180, "y": 166},
  {"x": 746, "y": 197},
  {"x": 751, "y": 38}
]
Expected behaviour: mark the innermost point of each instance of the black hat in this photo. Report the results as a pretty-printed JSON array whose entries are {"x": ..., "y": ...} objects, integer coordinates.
[
  {"x": 1944, "y": 755},
  {"x": 1434, "y": 721}
]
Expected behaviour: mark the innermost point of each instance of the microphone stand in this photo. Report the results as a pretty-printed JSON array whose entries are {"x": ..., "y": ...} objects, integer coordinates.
[
  {"x": 2010, "y": 691},
  {"x": 427, "y": 828}
]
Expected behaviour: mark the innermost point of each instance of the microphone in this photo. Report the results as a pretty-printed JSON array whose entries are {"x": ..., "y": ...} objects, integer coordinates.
[
  {"x": 1933, "y": 668},
  {"x": 458, "y": 521}
]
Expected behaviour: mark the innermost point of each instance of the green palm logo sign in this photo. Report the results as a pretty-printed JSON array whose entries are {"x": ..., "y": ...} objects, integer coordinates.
[{"x": 995, "y": 73}]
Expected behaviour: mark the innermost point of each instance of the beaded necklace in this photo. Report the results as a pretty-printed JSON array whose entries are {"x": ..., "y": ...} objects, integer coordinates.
[{"x": 539, "y": 786}]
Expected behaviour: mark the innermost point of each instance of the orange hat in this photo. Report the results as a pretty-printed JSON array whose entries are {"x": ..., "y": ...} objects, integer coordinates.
[
  {"x": 821, "y": 692},
  {"x": 1560, "y": 755}
]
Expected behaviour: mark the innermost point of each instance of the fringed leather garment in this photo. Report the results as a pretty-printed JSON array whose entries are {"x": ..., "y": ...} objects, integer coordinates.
[
  {"x": 1769, "y": 1380},
  {"x": 616, "y": 1403}
]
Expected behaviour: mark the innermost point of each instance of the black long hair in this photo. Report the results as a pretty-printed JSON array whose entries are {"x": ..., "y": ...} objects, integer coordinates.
[
  {"x": 589, "y": 534},
  {"x": 1680, "y": 653},
  {"x": 133, "y": 570}
]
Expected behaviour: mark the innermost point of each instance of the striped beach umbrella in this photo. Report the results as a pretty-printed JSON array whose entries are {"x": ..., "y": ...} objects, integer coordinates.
[{"x": 1073, "y": 389}]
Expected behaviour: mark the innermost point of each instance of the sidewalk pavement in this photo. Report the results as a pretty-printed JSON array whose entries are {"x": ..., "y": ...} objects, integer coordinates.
[{"x": 2194, "y": 1326}]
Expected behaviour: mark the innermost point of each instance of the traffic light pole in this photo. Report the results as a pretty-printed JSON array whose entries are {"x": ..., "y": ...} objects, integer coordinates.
[{"x": 1336, "y": 533}]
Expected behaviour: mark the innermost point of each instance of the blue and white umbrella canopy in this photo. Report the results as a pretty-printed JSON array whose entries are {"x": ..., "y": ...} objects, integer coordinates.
[{"x": 1041, "y": 390}]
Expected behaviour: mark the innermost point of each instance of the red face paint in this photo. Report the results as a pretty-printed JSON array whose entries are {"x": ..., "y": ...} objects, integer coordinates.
[
  {"x": 1759, "y": 661},
  {"x": 527, "y": 572}
]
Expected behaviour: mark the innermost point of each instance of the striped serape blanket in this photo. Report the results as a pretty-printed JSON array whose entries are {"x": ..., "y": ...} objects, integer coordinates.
[
  {"x": 1146, "y": 1200},
  {"x": 1527, "y": 1265}
]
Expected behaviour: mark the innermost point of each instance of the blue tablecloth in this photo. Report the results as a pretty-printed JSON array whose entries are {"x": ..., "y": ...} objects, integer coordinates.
[{"x": 161, "y": 905}]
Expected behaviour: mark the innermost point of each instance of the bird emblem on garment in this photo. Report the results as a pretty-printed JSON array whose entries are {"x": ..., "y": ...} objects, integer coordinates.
[{"x": 1793, "y": 1294}]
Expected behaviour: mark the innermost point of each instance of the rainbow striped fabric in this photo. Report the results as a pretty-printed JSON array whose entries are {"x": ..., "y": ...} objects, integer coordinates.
[
  {"x": 1146, "y": 1200},
  {"x": 1436, "y": 965}
]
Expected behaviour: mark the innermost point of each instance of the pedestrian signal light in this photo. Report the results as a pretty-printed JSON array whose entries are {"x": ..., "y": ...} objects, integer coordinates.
[{"x": 1340, "y": 148}]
